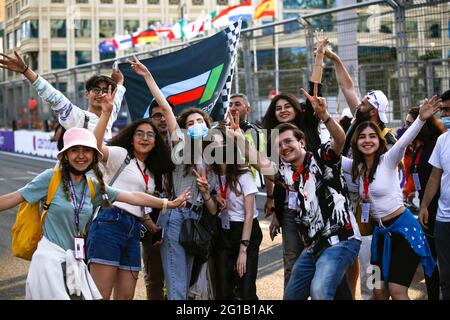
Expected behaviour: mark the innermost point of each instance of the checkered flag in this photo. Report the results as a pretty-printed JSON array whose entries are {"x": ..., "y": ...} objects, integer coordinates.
[{"x": 233, "y": 33}]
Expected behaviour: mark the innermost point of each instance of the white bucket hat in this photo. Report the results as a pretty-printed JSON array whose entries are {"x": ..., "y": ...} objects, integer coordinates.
[{"x": 79, "y": 137}]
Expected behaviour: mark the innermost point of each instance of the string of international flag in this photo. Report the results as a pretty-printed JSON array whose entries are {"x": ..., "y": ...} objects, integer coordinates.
[{"x": 183, "y": 30}]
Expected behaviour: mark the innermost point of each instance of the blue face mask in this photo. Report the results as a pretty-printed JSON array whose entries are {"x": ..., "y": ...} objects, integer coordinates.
[
  {"x": 198, "y": 131},
  {"x": 446, "y": 122}
]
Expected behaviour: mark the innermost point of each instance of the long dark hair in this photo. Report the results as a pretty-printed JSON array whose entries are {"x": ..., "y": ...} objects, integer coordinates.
[
  {"x": 65, "y": 174},
  {"x": 182, "y": 119},
  {"x": 358, "y": 157},
  {"x": 233, "y": 170},
  {"x": 270, "y": 121},
  {"x": 158, "y": 161},
  {"x": 432, "y": 129}
]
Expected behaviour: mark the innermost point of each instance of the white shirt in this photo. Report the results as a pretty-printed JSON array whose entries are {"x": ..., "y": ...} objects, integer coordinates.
[
  {"x": 45, "y": 280},
  {"x": 130, "y": 179},
  {"x": 235, "y": 204},
  {"x": 385, "y": 195},
  {"x": 440, "y": 159}
]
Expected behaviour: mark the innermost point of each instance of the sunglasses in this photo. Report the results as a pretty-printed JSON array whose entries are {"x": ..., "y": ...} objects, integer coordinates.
[{"x": 141, "y": 134}]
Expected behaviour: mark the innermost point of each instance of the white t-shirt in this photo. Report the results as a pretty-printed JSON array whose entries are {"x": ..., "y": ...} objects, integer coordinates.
[
  {"x": 130, "y": 179},
  {"x": 385, "y": 195},
  {"x": 440, "y": 159},
  {"x": 235, "y": 205}
]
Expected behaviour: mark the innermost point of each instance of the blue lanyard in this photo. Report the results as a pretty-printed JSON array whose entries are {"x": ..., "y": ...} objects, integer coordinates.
[{"x": 77, "y": 207}]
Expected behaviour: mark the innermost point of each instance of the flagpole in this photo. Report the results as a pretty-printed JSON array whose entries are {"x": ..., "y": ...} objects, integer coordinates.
[{"x": 277, "y": 73}]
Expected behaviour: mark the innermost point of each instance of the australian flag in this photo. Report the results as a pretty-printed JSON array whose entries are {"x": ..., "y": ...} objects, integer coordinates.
[{"x": 197, "y": 76}]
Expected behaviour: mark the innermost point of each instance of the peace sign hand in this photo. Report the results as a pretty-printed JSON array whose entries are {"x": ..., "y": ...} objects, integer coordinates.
[
  {"x": 138, "y": 67},
  {"x": 202, "y": 181},
  {"x": 107, "y": 100},
  {"x": 180, "y": 201},
  {"x": 234, "y": 129},
  {"x": 319, "y": 104}
]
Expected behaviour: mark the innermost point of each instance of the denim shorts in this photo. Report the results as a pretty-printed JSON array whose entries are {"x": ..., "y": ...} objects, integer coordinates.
[{"x": 114, "y": 239}]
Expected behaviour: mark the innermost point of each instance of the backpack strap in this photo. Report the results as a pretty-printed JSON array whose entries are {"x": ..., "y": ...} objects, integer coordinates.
[
  {"x": 52, "y": 187},
  {"x": 91, "y": 188},
  {"x": 86, "y": 121},
  {"x": 124, "y": 164}
]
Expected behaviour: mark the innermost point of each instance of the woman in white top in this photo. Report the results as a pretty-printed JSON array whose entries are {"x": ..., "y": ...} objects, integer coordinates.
[
  {"x": 398, "y": 243},
  {"x": 113, "y": 249},
  {"x": 237, "y": 248}
]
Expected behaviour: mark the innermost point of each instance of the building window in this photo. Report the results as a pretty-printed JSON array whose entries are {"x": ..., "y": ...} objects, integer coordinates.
[
  {"x": 362, "y": 24},
  {"x": 82, "y": 1},
  {"x": 83, "y": 28},
  {"x": 293, "y": 4},
  {"x": 82, "y": 57},
  {"x": 58, "y": 28},
  {"x": 59, "y": 60},
  {"x": 292, "y": 26},
  {"x": 130, "y": 1},
  {"x": 153, "y": 23},
  {"x": 9, "y": 13},
  {"x": 433, "y": 30},
  {"x": 177, "y": 2},
  {"x": 24, "y": 3},
  {"x": 17, "y": 7},
  {"x": 30, "y": 29},
  {"x": 32, "y": 60},
  {"x": 106, "y": 1},
  {"x": 18, "y": 37},
  {"x": 197, "y": 2},
  {"x": 107, "y": 28},
  {"x": 386, "y": 26},
  {"x": 10, "y": 37},
  {"x": 152, "y": 1},
  {"x": 222, "y": 2},
  {"x": 130, "y": 26},
  {"x": 57, "y": 1}
]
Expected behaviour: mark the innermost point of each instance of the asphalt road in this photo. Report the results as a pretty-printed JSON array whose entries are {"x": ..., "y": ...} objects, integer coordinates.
[{"x": 17, "y": 170}]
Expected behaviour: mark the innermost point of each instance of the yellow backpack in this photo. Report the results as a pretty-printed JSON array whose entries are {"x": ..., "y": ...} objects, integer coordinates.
[{"x": 27, "y": 230}]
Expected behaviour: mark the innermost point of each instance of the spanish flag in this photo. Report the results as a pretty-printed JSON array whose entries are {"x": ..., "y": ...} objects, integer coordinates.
[{"x": 265, "y": 8}]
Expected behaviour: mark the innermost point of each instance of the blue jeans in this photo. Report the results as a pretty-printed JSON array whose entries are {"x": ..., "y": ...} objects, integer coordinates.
[
  {"x": 113, "y": 239},
  {"x": 177, "y": 264},
  {"x": 319, "y": 274}
]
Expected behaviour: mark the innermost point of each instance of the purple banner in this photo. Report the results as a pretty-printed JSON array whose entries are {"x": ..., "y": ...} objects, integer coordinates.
[{"x": 7, "y": 141}]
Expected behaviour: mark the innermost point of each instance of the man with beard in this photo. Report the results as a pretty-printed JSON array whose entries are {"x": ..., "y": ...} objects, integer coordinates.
[{"x": 372, "y": 108}]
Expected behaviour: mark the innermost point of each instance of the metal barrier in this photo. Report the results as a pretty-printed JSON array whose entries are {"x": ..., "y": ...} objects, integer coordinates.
[{"x": 399, "y": 47}]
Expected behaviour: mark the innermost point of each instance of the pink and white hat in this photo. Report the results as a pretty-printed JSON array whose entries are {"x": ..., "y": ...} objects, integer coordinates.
[{"x": 79, "y": 137}]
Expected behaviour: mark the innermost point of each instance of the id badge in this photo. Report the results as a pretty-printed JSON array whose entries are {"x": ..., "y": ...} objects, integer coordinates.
[
  {"x": 292, "y": 202},
  {"x": 365, "y": 208},
  {"x": 148, "y": 210},
  {"x": 225, "y": 220},
  {"x": 416, "y": 181},
  {"x": 79, "y": 248}
]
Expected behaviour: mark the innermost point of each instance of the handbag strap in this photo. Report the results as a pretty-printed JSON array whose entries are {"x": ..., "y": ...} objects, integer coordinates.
[{"x": 125, "y": 162}]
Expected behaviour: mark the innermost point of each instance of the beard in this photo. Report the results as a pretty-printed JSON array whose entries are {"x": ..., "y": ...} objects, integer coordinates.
[{"x": 361, "y": 116}]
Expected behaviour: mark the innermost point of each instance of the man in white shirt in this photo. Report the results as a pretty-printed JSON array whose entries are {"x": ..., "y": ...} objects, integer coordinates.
[
  {"x": 69, "y": 115},
  {"x": 440, "y": 177}
]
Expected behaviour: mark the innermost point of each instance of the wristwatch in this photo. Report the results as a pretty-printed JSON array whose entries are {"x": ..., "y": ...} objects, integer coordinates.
[{"x": 245, "y": 242}]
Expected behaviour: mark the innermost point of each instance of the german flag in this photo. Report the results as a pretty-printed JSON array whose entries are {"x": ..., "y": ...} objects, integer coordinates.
[{"x": 146, "y": 36}]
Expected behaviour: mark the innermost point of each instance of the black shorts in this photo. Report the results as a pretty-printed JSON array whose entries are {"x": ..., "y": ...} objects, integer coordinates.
[{"x": 404, "y": 260}]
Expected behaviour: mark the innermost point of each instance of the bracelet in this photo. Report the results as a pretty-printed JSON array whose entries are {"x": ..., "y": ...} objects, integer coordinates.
[
  {"x": 26, "y": 69},
  {"x": 206, "y": 200},
  {"x": 270, "y": 196},
  {"x": 164, "y": 208},
  {"x": 326, "y": 121},
  {"x": 146, "y": 219}
]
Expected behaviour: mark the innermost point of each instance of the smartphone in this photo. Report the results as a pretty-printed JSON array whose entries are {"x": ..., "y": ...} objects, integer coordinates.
[
  {"x": 158, "y": 236},
  {"x": 273, "y": 233},
  {"x": 116, "y": 65}
]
